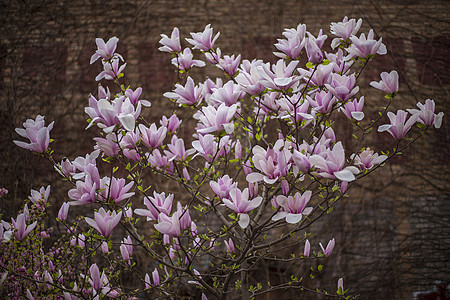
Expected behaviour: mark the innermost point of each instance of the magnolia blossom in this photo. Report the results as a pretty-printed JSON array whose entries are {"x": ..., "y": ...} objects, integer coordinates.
[
  {"x": 365, "y": 47},
  {"x": 171, "y": 123},
  {"x": 307, "y": 249},
  {"x": 202, "y": 40},
  {"x": 313, "y": 51},
  {"x": 207, "y": 146},
  {"x": 169, "y": 225},
  {"x": 229, "y": 94},
  {"x": 216, "y": 120},
  {"x": 177, "y": 150},
  {"x": 63, "y": 211},
  {"x": 109, "y": 145},
  {"x": 36, "y": 132},
  {"x": 157, "y": 204},
  {"x": 344, "y": 30},
  {"x": 342, "y": 86},
  {"x": 115, "y": 190},
  {"x": 171, "y": 44},
  {"x": 40, "y": 196},
  {"x": 330, "y": 246},
  {"x": 186, "y": 60},
  {"x": 152, "y": 136},
  {"x": 293, "y": 207},
  {"x": 323, "y": 102},
  {"x": 230, "y": 246},
  {"x": 388, "y": 83},
  {"x": 188, "y": 94},
  {"x": 291, "y": 48},
  {"x": 223, "y": 186},
  {"x": 105, "y": 50},
  {"x": 104, "y": 221},
  {"x": 85, "y": 191},
  {"x": 249, "y": 75},
  {"x": 353, "y": 109},
  {"x": 280, "y": 77},
  {"x": 229, "y": 64},
  {"x": 111, "y": 70},
  {"x": 426, "y": 114},
  {"x": 240, "y": 204},
  {"x": 399, "y": 126},
  {"x": 332, "y": 165},
  {"x": 22, "y": 230},
  {"x": 367, "y": 159}
]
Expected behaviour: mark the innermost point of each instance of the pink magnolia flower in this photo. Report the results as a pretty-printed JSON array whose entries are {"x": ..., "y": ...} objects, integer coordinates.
[
  {"x": 169, "y": 225},
  {"x": 126, "y": 248},
  {"x": 280, "y": 77},
  {"x": 104, "y": 221},
  {"x": 248, "y": 77},
  {"x": 155, "y": 277},
  {"x": 171, "y": 123},
  {"x": 152, "y": 137},
  {"x": 301, "y": 161},
  {"x": 108, "y": 146},
  {"x": 22, "y": 230},
  {"x": 329, "y": 249},
  {"x": 399, "y": 126},
  {"x": 105, "y": 51},
  {"x": 207, "y": 146},
  {"x": 40, "y": 196},
  {"x": 129, "y": 144},
  {"x": 230, "y": 246},
  {"x": 202, "y": 40},
  {"x": 342, "y": 86},
  {"x": 344, "y": 30},
  {"x": 319, "y": 77},
  {"x": 160, "y": 162},
  {"x": 290, "y": 48},
  {"x": 340, "y": 285},
  {"x": 171, "y": 44},
  {"x": 367, "y": 159},
  {"x": 365, "y": 47},
  {"x": 63, "y": 211},
  {"x": 189, "y": 94},
  {"x": 229, "y": 94},
  {"x": 115, "y": 190},
  {"x": 323, "y": 102},
  {"x": 185, "y": 218},
  {"x": 313, "y": 51},
  {"x": 157, "y": 204},
  {"x": 216, "y": 120},
  {"x": 229, "y": 64},
  {"x": 330, "y": 164},
  {"x": 186, "y": 61},
  {"x": 240, "y": 204},
  {"x": 36, "y": 132},
  {"x": 85, "y": 191},
  {"x": 133, "y": 96},
  {"x": 427, "y": 115},
  {"x": 307, "y": 249},
  {"x": 95, "y": 279},
  {"x": 223, "y": 186},
  {"x": 177, "y": 150},
  {"x": 111, "y": 70},
  {"x": 388, "y": 83},
  {"x": 353, "y": 109},
  {"x": 293, "y": 207},
  {"x": 105, "y": 247}
]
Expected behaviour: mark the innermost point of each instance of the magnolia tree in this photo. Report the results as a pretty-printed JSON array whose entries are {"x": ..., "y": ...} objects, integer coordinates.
[{"x": 262, "y": 165}]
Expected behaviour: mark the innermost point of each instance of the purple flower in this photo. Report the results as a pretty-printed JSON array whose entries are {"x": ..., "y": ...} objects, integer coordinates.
[
  {"x": 95, "y": 279},
  {"x": 240, "y": 204},
  {"x": 207, "y": 146},
  {"x": 153, "y": 137},
  {"x": 126, "y": 248},
  {"x": 185, "y": 61},
  {"x": 36, "y": 132},
  {"x": 63, "y": 211},
  {"x": 248, "y": 77},
  {"x": 108, "y": 146},
  {"x": 223, "y": 186},
  {"x": 427, "y": 115},
  {"x": 189, "y": 94},
  {"x": 307, "y": 249},
  {"x": 156, "y": 205},
  {"x": 329, "y": 249},
  {"x": 104, "y": 221},
  {"x": 172, "y": 123},
  {"x": 399, "y": 126},
  {"x": 229, "y": 94},
  {"x": 171, "y": 44},
  {"x": 313, "y": 51},
  {"x": 105, "y": 51},
  {"x": 85, "y": 191},
  {"x": 230, "y": 246},
  {"x": 22, "y": 230},
  {"x": 111, "y": 70},
  {"x": 177, "y": 150},
  {"x": 330, "y": 164},
  {"x": 155, "y": 277},
  {"x": 291, "y": 47},
  {"x": 340, "y": 286},
  {"x": 293, "y": 207},
  {"x": 229, "y": 64},
  {"x": 133, "y": 96},
  {"x": 342, "y": 86},
  {"x": 202, "y": 40},
  {"x": 216, "y": 120},
  {"x": 388, "y": 83},
  {"x": 280, "y": 77},
  {"x": 323, "y": 102},
  {"x": 344, "y": 30},
  {"x": 169, "y": 225},
  {"x": 115, "y": 190},
  {"x": 362, "y": 47},
  {"x": 40, "y": 196},
  {"x": 367, "y": 159},
  {"x": 353, "y": 110},
  {"x": 185, "y": 218}
]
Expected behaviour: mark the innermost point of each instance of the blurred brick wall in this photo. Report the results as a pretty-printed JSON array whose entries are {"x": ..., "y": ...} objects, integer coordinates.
[{"x": 393, "y": 234}]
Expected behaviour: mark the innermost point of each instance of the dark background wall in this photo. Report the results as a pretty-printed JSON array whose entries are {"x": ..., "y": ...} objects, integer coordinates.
[{"x": 393, "y": 233}]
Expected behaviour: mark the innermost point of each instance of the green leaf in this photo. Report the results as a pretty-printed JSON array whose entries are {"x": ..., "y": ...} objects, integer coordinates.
[{"x": 309, "y": 65}]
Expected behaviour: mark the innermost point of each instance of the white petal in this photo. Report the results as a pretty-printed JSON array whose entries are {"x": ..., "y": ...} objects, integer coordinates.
[
  {"x": 244, "y": 220},
  {"x": 357, "y": 115},
  {"x": 128, "y": 121},
  {"x": 293, "y": 218},
  {"x": 344, "y": 175},
  {"x": 229, "y": 128}
]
